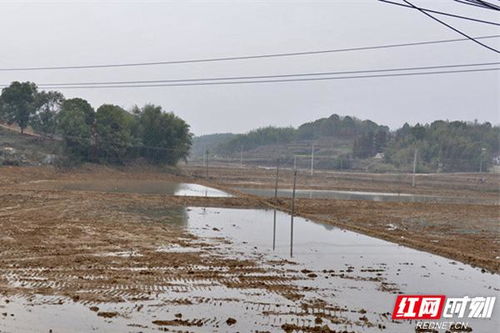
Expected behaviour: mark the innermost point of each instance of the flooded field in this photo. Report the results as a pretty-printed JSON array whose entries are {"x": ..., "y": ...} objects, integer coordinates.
[
  {"x": 336, "y": 278},
  {"x": 149, "y": 252},
  {"x": 371, "y": 196}
]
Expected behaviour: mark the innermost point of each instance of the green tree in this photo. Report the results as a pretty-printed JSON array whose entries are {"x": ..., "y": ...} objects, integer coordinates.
[
  {"x": 165, "y": 137},
  {"x": 81, "y": 105},
  {"x": 18, "y": 103},
  {"x": 263, "y": 136},
  {"x": 113, "y": 137},
  {"x": 77, "y": 135},
  {"x": 364, "y": 146},
  {"x": 48, "y": 105},
  {"x": 444, "y": 145}
]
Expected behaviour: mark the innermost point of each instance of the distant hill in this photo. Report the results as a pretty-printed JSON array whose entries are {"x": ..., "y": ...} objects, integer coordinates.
[
  {"x": 208, "y": 142},
  {"x": 335, "y": 126},
  {"x": 333, "y": 138},
  {"x": 344, "y": 142}
]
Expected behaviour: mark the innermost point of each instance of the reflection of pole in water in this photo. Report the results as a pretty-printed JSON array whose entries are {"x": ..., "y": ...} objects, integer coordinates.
[
  {"x": 275, "y": 198},
  {"x": 293, "y": 212},
  {"x": 274, "y": 231}
]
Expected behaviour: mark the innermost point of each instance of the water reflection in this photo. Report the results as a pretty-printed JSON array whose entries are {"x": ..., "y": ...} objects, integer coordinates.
[
  {"x": 358, "y": 261},
  {"x": 274, "y": 230}
]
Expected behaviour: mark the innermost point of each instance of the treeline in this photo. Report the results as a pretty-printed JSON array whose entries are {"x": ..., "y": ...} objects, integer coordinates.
[
  {"x": 445, "y": 146},
  {"x": 209, "y": 142},
  {"x": 109, "y": 134},
  {"x": 259, "y": 137},
  {"x": 339, "y": 127},
  {"x": 333, "y": 126}
]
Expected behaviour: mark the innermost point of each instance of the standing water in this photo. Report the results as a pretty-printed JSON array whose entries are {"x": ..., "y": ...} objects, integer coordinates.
[{"x": 352, "y": 270}]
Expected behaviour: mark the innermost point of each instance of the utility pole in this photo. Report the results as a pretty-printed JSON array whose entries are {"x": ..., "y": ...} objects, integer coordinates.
[
  {"x": 294, "y": 162},
  {"x": 241, "y": 157},
  {"x": 414, "y": 167},
  {"x": 293, "y": 212},
  {"x": 206, "y": 163},
  {"x": 312, "y": 160},
  {"x": 204, "y": 155},
  {"x": 481, "y": 160}
]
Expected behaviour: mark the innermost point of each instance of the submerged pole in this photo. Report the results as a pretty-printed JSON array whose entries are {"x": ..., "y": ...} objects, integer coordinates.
[{"x": 293, "y": 212}]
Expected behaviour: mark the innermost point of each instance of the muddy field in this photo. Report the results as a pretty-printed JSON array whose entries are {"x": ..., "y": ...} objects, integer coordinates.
[{"x": 138, "y": 260}]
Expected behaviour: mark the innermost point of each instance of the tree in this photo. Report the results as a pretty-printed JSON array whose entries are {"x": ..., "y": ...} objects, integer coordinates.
[
  {"x": 81, "y": 105},
  {"x": 18, "y": 103},
  {"x": 77, "y": 135},
  {"x": 165, "y": 137},
  {"x": 444, "y": 145},
  {"x": 76, "y": 125},
  {"x": 380, "y": 141},
  {"x": 113, "y": 137},
  {"x": 48, "y": 105},
  {"x": 364, "y": 145},
  {"x": 263, "y": 136}
]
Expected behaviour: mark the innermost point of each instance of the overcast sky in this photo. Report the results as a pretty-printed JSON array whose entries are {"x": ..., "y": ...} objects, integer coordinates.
[{"x": 54, "y": 33}]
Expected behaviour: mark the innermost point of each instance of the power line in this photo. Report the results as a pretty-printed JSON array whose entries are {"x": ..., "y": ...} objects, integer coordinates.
[
  {"x": 480, "y": 4},
  {"x": 247, "y": 57},
  {"x": 48, "y": 85},
  {"x": 470, "y": 3},
  {"x": 275, "y": 81},
  {"x": 441, "y": 13},
  {"x": 451, "y": 27}
]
